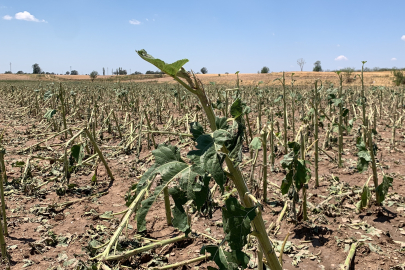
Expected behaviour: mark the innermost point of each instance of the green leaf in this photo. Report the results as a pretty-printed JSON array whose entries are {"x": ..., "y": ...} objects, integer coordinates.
[
  {"x": 226, "y": 260},
  {"x": 171, "y": 167},
  {"x": 49, "y": 114},
  {"x": 207, "y": 157},
  {"x": 180, "y": 220},
  {"x": 170, "y": 69},
  {"x": 287, "y": 182},
  {"x": 363, "y": 154},
  {"x": 365, "y": 197},
  {"x": 236, "y": 108},
  {"x": 221, "y": 123},
  {"x": 302, "y": 174},
  {"x": 256, "y": 143},
  {"x": 77, "y": 152},
  {"x": 196, "y": 129},
  {"x": 236, "y": 220},
  {"x": 382, "y": 188}
]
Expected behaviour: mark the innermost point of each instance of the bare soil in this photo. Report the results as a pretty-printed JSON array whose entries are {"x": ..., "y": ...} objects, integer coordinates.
[{"x": 320, "y": 243}]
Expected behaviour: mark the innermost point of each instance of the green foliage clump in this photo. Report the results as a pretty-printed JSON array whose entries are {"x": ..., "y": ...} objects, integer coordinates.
[
  {"x": 204, "y": 70},
  {"x": 93, "y": 75},
  {"x": 399, "y": 77},
  {"x": 265, "y": 70},
  {"x": 36, "y": 69},
  {"x": 317, "y": 66}
]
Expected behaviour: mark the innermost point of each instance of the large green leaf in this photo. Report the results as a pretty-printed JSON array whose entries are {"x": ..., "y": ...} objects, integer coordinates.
[
  {"x": 171, "y": 167},
  {"x": 207, "y": 155},
  {"x": 170, "y": 69},
  {"x": 226, "y": 260},
  {"x": 236, "y": 220},
  {"x": 382, "y": 188}
]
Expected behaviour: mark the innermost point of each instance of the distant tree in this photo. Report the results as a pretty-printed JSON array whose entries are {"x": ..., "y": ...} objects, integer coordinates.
[
  {"x": 154, "y": 72},
  {"x": 226, "y": 73},
  {"x": 103, "y": 71},
  {"x": 8, "y": 72},
  {"x": 74, "y": 72},
  {"x": 36, "y": 69},
  {"x": 317, "y": 66},
  {"x": 204, "y": 70},
  {"x": 93, "y": 75},
  {"x": 265, "y": 70},
  {"x": 301, "y": 62},
  {"x": 120, "y": 71},
  {"x": 67, "y": 73},
  {"x": 137, "y": 73},
  {"x": 20, "y": 72}
]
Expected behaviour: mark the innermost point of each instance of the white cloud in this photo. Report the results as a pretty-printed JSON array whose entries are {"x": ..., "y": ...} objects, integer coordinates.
[
  {"x": 403, "y": 37},
  {"x": 393, "y": 59},
  {"x": 135, "y": 22},
  {"x": 26, "y": 16},
  {"x": 7, "y": 17},
  {"x": 340, "y": 58}
]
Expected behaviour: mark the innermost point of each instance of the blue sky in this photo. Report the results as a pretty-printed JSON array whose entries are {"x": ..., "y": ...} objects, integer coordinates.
[{"x": 224, "y": 36}]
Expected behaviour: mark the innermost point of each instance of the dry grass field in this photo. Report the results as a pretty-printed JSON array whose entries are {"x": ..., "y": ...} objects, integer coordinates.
[{"x": 383, "y": 78}]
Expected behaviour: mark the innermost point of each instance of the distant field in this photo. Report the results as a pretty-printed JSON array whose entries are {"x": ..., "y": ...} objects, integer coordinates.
[{"x": 302, "y": 78}]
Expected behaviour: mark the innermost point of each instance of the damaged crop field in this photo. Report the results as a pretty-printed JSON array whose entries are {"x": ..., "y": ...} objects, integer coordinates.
[{"x": 192, "y": 175}]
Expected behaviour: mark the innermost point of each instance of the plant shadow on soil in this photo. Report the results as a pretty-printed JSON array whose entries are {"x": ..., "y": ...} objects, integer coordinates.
[{"x": 315, "y": 234}]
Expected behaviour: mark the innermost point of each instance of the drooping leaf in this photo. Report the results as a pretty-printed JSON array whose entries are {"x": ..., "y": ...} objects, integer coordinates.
[
  {"x": 363, "y": 154},
  {"x": 196, "y": 129},
  {"x": 382, "y": 188},
  {"x": 180, "y": 220},
  {"x": 170, "y": 69},
  {"x": 171, "y": 167},
  {"x": 236, "y": 108},
  {"x": 77, "y": 152},
  {"x": 49, "y": 114},
  {"x": 236, "y": 220},
  {"x": 256, "y": 143},
  {"x": 226, "y": 260},
  {"x": 207, "y": 156}
]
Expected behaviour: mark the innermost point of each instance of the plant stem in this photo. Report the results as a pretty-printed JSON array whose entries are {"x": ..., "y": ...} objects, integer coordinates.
[{"x": 100, "y": 154}]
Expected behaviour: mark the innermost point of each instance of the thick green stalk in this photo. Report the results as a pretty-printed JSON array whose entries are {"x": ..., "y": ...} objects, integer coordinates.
[
  {"x": 240, "y": 184},
  {"x": 3, "y": 243}
]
